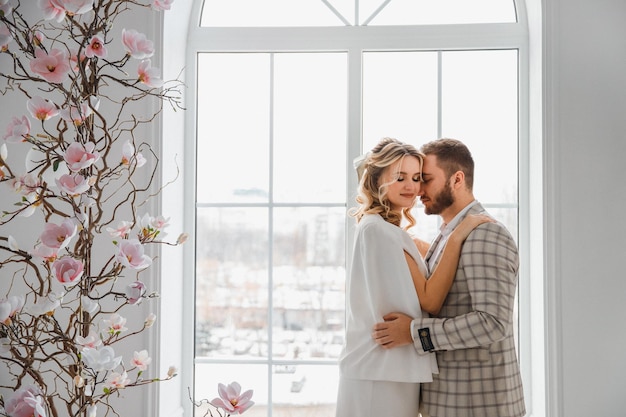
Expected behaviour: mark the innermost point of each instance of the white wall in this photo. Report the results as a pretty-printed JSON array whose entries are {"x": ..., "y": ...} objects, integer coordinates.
[{"x": 585, "y": 143}]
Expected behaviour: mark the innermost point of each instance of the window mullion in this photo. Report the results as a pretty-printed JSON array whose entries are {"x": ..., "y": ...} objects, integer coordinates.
[
  {"x": 270, "y": 241},
  {"x": 439, "y": 95},
  {"x": 355, "y": 131}
]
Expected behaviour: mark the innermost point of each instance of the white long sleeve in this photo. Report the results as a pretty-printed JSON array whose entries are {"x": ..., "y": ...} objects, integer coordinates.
[{"x": 380, "y": 283}]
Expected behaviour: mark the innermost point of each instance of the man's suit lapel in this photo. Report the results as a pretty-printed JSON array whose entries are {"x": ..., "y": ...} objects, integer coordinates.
[{"x": 429, "y": 254}]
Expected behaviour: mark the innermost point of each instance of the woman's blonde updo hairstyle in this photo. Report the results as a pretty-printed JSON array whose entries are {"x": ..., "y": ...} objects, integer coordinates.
[{"x": 372, "y": 192}]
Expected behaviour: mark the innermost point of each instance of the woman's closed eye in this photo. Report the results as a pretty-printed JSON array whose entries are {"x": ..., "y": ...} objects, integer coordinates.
[{"x": 416, "y": 178}]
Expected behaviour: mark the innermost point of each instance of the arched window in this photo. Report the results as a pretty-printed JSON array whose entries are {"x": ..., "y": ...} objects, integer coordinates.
[{"x": 285, "y": 95}]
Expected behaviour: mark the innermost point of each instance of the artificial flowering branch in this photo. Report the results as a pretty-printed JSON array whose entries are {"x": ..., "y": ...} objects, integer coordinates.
[
  {"x": 87, "y": 175},
  {"x": 231, "y": 401}
]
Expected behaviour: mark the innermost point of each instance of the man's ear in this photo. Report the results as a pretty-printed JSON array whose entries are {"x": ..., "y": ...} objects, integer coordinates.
[{"x": 458, "y": 179}]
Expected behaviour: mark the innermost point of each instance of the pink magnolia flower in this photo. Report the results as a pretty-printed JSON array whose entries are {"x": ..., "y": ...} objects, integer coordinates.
[
  {"x": 58, "y": 236},
  {"x": 135, "y": 292},
  {"x": 160, "y": 222},
  {"x": 128, "y": 155},
  {"x": 79, "y": 156},
  {"x": 149, "y": 75},
  {"x": 141, "y": 360},
  {"x": 116, "y": 324},
  {"x": 5, "y": 38},
  {"x": 73, "y": 184},
  {"x": 182, "y": 238},
  {"x": 151, "y": 227},
  {"x": 53, "y": 67},
  {"x": 131, "y": 254},
  {"x": 38, "y": 37},
  {"x": 96, "y": 48},
  {"x": 73, "y": 7},
  {"x": 136, "y": 44},
  {"x": 18, "y": 130},
  {"x": 26, "y": 184},
  {"x": 9, "y": 307},
  {"x": 51, "y": 11},
  {"x": 67, "y": 270},
  {"x": 162, "y": 5},
  {"x": 102, "y": 359},
  {"x": 77, "y": 115},
  {"x": 122, "y": 230},
  {"x": 117, "y": 381},
  {"x": 44, "y": 252},
  {"x": 25, "y": 402},
  {"x": 231, "y": 399},
  {"x": 150, "y": 320},
  {"x": 92, "y": 340},
  {"x": 37, "y": 403},
  {"x": 41, "y": 108}
]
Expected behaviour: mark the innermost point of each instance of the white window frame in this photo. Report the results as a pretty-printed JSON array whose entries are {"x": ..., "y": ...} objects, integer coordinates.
[{"x": 356, "y": 39}]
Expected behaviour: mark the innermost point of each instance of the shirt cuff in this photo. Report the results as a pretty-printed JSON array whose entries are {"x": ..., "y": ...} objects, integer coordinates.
[{"x": 421, "y": 338}]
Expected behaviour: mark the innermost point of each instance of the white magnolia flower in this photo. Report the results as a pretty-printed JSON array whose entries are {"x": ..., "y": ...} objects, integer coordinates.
[
  {"x": 102, "y": 359},
  {"x": 89, "y": 306}
]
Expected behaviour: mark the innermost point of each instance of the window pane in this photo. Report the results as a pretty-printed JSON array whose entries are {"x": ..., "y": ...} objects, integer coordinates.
[
  {"x": 508, "y": 216},
  {"x": 310, "y": 127},
  {"x": 233, "y": 127},
  {"x": 310, "y": 390},
  {"x": 428, "y": 12},
  {"x": 309, "y": 278},
  {"x": 480, "y": 108},
  {"x": 399, "y": 97},
  {"x": 252, "y": 13},
  {"x": 231, "y": 282}
]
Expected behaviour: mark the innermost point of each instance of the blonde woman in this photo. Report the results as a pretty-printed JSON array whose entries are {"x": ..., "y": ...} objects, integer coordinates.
[{"x": 388, "y": 274}]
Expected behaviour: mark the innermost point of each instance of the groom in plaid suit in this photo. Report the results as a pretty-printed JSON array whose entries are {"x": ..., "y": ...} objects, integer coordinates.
[{"x": 473, "y": 333}]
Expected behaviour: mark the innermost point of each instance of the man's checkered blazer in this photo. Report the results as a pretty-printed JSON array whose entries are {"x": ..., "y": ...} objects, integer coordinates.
[{"x": 473, "y": 333}]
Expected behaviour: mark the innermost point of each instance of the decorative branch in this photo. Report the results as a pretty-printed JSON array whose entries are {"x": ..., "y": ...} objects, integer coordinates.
[{"x": 61, "y": 318}]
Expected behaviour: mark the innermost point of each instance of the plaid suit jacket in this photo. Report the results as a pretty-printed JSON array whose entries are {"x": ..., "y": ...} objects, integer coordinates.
[{"x": 473, "y": 333}]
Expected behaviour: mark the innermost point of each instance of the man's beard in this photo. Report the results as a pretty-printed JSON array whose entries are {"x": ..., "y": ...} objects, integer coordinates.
[{"x": 442, "y": 201}]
